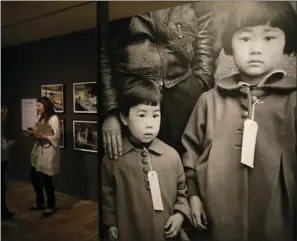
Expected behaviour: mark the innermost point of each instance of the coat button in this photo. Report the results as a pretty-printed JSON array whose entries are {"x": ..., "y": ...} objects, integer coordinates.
[
  {"x": 148, "y": 187},
  {"x": 146, "y": 178},
  {"x": 144, "y": 161},
  {"x": 145, "y": 169},
  {"x": 143, "y": 154},
  {"x": 254, "y": 99},
  {"x": 245, "y": 114}
]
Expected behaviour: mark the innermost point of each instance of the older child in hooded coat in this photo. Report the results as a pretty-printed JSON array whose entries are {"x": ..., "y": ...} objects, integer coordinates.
[{"x": 234, "y": 201}]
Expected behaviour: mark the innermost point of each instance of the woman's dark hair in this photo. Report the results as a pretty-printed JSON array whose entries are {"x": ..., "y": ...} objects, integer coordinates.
[
  {"x": 139, "y": 91},
  {"x": 49, "y": 108},
  {"x": 277, "y": 14}
]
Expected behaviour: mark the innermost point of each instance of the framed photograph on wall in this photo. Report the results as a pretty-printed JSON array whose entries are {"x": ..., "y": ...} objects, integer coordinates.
[
  {"x": 62, "y": 134},
  {"x": 85, "y": 97},
  {"x": 56, "y": 94},
  {"x": 85, "y": 135}
]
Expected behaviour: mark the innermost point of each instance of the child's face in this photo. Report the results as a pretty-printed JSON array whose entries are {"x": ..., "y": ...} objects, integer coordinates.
[
  {"x": 143, "y": 122},
  {"x": 258, "y": 50}
]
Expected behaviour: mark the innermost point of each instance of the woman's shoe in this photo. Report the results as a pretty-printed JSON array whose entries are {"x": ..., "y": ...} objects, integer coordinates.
[
  {"x": 37, "y": 208},
  {"x": 48, "y": 212}
]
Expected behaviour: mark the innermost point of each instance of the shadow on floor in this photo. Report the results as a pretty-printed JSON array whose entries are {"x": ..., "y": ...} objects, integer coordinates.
[{"x": 75, "y": 219}]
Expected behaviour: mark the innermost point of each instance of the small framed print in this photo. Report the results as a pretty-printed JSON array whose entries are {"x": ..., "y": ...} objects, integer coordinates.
[
  {"x": 55, "y": 93},
  {"x": 85, "y": 97},
  {"x": 85, "y": 135}
]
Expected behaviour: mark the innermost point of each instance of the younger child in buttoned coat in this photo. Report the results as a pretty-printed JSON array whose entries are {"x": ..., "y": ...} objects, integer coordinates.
[{"x": 127, "y": 189}]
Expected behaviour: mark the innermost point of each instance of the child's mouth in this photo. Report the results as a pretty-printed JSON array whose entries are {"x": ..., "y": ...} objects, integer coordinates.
[{"x": 255, "y": 61}]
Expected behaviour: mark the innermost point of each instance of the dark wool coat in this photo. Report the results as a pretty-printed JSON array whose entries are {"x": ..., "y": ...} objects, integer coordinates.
[
  {"x": 243, "y": 203},
  {"x": 127, "y": 202}
]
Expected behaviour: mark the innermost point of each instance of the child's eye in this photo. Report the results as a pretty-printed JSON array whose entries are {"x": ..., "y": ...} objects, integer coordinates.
[
  {"x": 156, "y": 115},
  {"x": 245, "y": 39},
  {"x": 141, "y": 115},
  {"x": 269, "y": 38}
]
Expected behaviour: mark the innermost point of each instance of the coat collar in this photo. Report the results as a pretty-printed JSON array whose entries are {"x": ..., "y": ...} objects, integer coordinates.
[
  {"x": 155, "y": 146},
  {"x": 274, "y": 80}
]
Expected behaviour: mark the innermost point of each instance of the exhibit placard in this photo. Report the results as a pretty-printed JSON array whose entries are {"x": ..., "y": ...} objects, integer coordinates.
[{"x": 29, "y": 113}]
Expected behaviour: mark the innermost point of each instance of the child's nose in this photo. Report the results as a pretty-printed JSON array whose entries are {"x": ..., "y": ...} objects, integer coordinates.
[
  {"x": 256, "y": 47},
  {"x": 148, "y": 124}
]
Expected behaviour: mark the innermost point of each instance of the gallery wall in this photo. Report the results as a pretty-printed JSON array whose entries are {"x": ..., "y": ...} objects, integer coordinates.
[{"x": 60, "y": 60}]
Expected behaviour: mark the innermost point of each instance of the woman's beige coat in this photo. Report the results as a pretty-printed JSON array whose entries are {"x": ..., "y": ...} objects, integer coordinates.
[{"x": 45, "y": 155}]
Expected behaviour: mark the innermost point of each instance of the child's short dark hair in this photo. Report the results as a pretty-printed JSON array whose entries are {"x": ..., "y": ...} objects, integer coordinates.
[
  {"x": 139, "y": 91},
  {"x": 277, "y": 14}
]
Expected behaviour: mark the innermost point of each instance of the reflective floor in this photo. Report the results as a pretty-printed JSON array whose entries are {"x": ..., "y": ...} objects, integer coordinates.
[{"x": 75, "y": 219}]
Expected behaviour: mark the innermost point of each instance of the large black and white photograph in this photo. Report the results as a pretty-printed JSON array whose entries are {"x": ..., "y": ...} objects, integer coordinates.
[
  {"x": 55, "y": 92},
  {"x": 202, "y": 95},
  {"x": 85, "y": 97},
  {"x": 85, "y": 135}
]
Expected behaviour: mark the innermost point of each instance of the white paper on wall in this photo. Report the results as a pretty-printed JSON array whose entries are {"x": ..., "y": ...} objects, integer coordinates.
[{"x": 29, "y": 113}]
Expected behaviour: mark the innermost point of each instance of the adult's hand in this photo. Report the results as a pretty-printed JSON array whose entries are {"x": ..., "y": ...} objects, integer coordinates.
[
  {"x": 112, "y": 136},
  {"x": 198, "y": 214},
  {"x": 40, "y": 135},
  {"x": 113, "y": 233}
]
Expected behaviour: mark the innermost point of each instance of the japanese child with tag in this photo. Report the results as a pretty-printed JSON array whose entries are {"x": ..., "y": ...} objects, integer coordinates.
[
  {"x": 144, "y": 191},
  {"x": 240, "y": 140}
]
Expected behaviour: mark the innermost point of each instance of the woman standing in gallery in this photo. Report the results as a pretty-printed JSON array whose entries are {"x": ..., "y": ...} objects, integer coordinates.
[{"x": 45, "y": 158}]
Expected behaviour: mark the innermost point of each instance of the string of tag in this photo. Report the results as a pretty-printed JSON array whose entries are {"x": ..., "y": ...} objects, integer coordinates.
[
  {"x": 148, "y": 158},
  {"x": 253, "y": 108}
]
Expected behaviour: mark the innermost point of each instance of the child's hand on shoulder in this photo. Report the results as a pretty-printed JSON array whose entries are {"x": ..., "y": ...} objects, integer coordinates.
[
  {"x": 113, "y": 233},
  {"x": 173, "y": 225}
]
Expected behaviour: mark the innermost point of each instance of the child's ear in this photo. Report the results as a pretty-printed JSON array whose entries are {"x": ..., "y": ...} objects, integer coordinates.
[{"x": 123, "y": 118}]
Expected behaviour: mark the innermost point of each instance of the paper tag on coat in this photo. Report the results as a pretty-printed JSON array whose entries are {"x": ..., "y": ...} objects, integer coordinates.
[
  {"x": 155, "y": 190},
  {"x": 249, "y": 142}
]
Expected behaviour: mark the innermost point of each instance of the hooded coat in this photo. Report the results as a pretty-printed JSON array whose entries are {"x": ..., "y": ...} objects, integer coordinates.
[{"x": 244, "y": 203}]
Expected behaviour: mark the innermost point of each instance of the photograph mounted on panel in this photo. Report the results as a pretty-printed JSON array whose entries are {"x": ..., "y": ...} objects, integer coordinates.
[
  {"x": 85, "y": 97},
  {"x": 62, "y": 134},
  {"x": 85, "y": 135},
  {"x": 191, "y": 53},
  {"x": 56, "y": 94}
]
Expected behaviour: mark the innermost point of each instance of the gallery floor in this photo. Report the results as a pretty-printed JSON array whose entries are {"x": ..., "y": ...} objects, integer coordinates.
[{"x": 75, "y": 219}]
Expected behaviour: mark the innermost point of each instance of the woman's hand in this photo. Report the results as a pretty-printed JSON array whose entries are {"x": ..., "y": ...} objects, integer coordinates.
[{"x": 39, "y": 135}]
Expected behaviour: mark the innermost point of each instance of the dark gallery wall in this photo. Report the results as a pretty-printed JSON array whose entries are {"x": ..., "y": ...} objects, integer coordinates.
[{"x": 60, "y": 60}]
